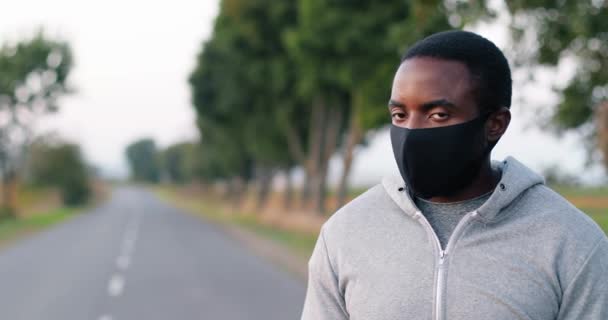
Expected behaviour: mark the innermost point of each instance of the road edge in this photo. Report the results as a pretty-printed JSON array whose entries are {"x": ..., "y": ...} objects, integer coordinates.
[{"x": 269, "y": 249}]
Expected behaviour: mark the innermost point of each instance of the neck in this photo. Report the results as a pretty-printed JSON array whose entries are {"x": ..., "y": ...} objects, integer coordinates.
[{"x": 486, "y": 181}]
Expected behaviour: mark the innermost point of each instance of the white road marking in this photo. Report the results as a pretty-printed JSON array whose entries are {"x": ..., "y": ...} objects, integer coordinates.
[
  {"x": 117, "y": 281},
  {"x": 105, "y": 317},
  {"x": 123, "y": 262},
  {"x": 116, "y": 285},
  {"x": 130, "y": 237},
  {"x": 128, "y": 246}
]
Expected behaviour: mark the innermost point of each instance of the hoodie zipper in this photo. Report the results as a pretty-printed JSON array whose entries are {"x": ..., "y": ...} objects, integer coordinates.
[{"x": 440, "y": 266}]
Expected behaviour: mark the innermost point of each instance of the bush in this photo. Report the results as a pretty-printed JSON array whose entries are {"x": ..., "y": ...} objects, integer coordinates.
[{"x": 60, "y": 165}]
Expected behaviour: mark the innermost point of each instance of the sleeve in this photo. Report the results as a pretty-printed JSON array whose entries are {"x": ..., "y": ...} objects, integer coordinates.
[
  {"x": 324, "y": 301},
  {"x": 586, "y": 297}
]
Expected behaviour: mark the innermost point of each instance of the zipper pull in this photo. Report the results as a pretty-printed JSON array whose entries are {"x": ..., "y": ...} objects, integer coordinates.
[{"x": 442, "y": 255}]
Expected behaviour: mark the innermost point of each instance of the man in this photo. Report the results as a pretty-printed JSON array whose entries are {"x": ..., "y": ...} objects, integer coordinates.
[{"x": 457, "y": 236}]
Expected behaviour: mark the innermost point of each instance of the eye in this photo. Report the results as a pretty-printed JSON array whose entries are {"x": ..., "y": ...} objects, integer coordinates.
[
  {"x": 398, "y": 115},
  {"x": 439, "y": 116}
]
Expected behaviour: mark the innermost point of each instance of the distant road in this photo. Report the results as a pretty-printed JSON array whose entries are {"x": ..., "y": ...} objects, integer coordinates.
[{"x": 137, "y": 258}]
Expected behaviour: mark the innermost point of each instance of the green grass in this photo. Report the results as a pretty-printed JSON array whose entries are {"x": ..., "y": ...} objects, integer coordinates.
[
  {"x": 350, "y": 193},
  {"x": 602, "y": 220},
  {"x": 11, "y": 229},
  {"x": 600, "y": 215},
  {"x": 577, "y": 191}
]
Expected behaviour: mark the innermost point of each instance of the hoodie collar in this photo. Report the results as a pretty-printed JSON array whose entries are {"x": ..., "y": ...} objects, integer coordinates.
[{"x": 516, "y": 179}]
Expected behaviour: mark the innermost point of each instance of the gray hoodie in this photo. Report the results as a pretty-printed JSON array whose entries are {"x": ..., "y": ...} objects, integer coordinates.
[{"x": 526, "y": 253}]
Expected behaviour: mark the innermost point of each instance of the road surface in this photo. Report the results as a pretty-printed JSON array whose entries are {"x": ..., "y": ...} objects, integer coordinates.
[{"x": 137, "y": 258}]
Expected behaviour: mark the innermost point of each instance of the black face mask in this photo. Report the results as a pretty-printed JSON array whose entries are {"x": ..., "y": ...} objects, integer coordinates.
[{"x": 443, "y": 160}]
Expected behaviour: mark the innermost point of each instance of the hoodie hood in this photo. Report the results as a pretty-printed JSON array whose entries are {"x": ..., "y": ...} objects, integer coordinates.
[{"x": 516, "y": 179}]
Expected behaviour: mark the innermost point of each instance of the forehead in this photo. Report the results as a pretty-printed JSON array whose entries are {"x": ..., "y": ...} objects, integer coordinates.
[{"x": 420, "y": 79}]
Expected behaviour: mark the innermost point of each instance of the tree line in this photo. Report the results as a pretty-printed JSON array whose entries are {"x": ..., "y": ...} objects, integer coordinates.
[{"x": 289, "y": 84}]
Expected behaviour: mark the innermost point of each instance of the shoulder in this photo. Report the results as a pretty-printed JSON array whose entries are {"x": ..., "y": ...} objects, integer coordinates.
[
  {"x": 565, "y": 230},
  {"x": 557, "y": 212},
  {"x": 360, "y": 209},
  {"x": 362, "y": 213}
]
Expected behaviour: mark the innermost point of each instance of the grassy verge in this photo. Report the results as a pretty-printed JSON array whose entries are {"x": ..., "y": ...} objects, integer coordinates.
[
  {"x": 303, "y": 243},
  {"x": 298, "y": 242},
  {"x": 591, "y": 200},
  {"x": 600, "y": 216},
  {"x": 14, "y": 229},
  {"x": 575, "y": 191}
]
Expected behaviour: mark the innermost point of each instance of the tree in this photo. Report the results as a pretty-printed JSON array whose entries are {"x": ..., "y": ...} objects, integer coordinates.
[
  {"x": 61, "y": 165},
  {"x": 181, "y": 162},
  {"x": 550, "y": 33},
  {"x": 353, "y": 47},
  {"x": 33, "y": 76},
  {"x": 317, "y": 63},
  {"x": 259, "y": 27},
  {"x": 219, "y": 96},
  {"x": 241, "y": 78},
  {"x": 143, "y": 160}
]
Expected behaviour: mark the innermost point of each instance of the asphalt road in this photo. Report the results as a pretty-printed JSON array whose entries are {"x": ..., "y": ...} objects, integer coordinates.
[{"x": 136, "y": 258}]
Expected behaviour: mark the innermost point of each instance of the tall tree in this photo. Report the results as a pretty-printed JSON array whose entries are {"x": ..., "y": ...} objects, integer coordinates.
[
  {"x": 552, "y": 32},
  {"x": 373, "y": 38},
  {"x": 241, "y": 90},
  {"x": 353, "y": 48},
  {"x": 181, "y": 162},
  {"x": 220, "y": 99},
  {"x": 143, "y": 159},
  {"x": 317, "y": 62},
  {"x": 33, "y": 76}
]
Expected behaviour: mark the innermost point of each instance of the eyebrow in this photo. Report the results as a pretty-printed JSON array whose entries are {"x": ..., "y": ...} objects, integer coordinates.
[
  {"x": 438, "y": 103},
  {"x": 426, "y": 106},
  {"x": 393, "y": 103}
]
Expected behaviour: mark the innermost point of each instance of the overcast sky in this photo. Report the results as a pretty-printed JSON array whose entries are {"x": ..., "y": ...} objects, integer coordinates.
[{"x": 133, "y": 59}]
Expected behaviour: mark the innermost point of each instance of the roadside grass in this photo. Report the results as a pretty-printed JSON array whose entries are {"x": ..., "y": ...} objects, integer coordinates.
[
  {"x": 13, "y": 229},
  {"x": 600, "y": 216},
  {"x": 300, "y": 243},
  {"x": 592, "y": 201},
  {"x": 39, "y": 208},
  {"x": 578, "y": 191}
]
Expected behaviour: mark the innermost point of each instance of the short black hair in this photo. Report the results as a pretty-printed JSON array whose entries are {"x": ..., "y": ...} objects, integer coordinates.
[{"x": 485, "y": 61}]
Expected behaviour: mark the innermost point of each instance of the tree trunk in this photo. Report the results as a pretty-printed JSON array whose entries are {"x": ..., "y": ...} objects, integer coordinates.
[
  {"x": 332, "y": 131},
  {"x": 265, "y": 176},
  {"x": 315, "y": 145},
  {"x": 602, "y": 131},
  {"x": 229, "y": 190},
  {"x": 288, "y": 195},
  {"x": 354, "y": 137},
  {"x": 237, "y": 192},
  {"x": 9, "y": 195}
]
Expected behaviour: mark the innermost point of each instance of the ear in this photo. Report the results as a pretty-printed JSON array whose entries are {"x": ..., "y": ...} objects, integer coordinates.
[{"x": 497, "y": 124}]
